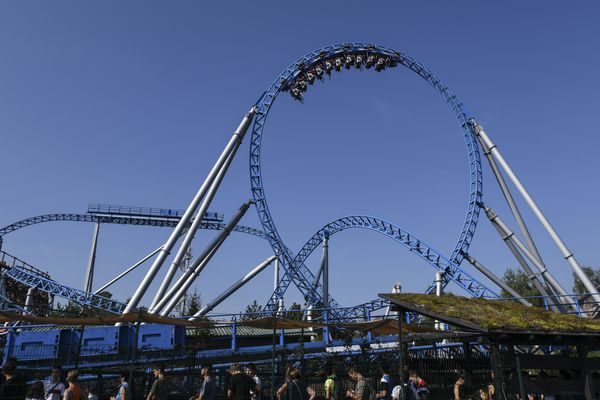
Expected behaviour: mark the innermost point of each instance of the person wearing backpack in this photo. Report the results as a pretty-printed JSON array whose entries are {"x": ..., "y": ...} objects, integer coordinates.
[
  {"x": 294, "y": 388},
  {"x": 361, "y": 391},
  {"x": 384, "y": 390}
]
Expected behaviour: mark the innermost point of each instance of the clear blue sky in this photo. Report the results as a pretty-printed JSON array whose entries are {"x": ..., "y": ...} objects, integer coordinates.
[{"x": 131, "y": 102}]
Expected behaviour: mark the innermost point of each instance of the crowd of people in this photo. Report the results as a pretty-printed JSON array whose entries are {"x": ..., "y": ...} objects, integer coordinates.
[
  {"x": 243, "y": 384},
  {"x": 15, "y": 386}
]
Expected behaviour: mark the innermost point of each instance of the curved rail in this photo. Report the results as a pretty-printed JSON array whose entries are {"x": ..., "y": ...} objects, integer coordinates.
[
  {"x": 412, "y": 243},
  {"x": 120, "y": 219},
  {"x": 24, "y": 273},
  {"x": 296, "y": 78}
]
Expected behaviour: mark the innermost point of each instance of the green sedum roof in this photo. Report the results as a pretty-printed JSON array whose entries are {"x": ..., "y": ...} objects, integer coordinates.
[{"x": 499, "y": 314}]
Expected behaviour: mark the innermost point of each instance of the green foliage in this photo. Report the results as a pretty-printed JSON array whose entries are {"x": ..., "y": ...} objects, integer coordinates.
[
  {"x": 198, "y": 336},
  {"x": 251, "y": 311},
  {"x": 593, "y": 274},
  {"x": 17, "y": 293},
  {"x": 193, "y": 304},
  {"x": 294, "y": 312},
  {"x": 519, "y": 281},
  {"x": 500, "y": 314},
  {"x": 72, "y": 309}
]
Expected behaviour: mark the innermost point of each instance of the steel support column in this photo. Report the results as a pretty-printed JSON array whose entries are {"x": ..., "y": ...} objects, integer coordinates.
[
  {"x": 567, "y": 254},
  {"x": 89, "y": 275}
]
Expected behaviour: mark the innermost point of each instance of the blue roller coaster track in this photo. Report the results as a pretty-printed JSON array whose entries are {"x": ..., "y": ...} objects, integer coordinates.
[
  {"x": 25, "y": 273},
  {"x": 296, "y": 78}
]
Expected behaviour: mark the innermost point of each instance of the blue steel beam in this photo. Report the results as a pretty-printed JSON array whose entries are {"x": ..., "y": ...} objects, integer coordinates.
[
  {"x": 33, "y": 277},
  {"x": 24, "y": 273},
  {"x": 452, "y": 271},
  {"x": 296, "y": 76},
  {"x": 123, "y": 220}
]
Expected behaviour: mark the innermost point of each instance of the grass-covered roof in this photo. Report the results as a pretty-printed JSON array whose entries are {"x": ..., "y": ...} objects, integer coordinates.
[{"x": 497, "y": 315}]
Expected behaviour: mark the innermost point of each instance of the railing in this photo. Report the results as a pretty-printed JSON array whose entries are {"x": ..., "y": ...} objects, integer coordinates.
[
  {"x": 12, "y": 261},
  {"x": 110, "y": 209}
]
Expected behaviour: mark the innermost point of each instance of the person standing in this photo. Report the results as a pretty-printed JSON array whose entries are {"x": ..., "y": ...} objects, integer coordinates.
[
  {"x": 123, "y": 390},
  {"x": 13, "y": 387},
  {"x": 54, "y": 388},
  {"x": 361, "y": 390},
  {"x": 73, "y": 391},
  {"x": 294, "y": 387},
  {"x": 208, "y": 388},
  {"x": 418, "y": 386},
  {"x": 332, "y": 386},
  {"x": 251, "y": 372},
  {"x": 160, "y": 387},
  {"x": 459, "y": 386},
  {"x": 384, "y": 390},
  {"x": 240, "y": 385}
]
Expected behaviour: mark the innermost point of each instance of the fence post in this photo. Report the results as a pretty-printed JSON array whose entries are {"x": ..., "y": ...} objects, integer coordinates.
[
  {"x": 401, "y": 353},
  {"x": 135, "y": 346}
]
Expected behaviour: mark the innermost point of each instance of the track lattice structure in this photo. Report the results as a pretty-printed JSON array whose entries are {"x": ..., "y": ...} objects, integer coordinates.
[{"x": 295, "y": 79}]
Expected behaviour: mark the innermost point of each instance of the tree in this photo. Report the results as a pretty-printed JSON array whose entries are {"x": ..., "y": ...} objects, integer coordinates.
[
  {"x": 193, "y": 304},
  {"x": 294, "y": 312},
  {"x": 593, "y": 274},
  {"x": 520, "y": 282},
  {"x": 252, "y": 311}
]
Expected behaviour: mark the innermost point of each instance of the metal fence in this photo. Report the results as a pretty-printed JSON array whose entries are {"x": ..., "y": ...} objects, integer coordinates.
[{"x": 438, "y": 365}]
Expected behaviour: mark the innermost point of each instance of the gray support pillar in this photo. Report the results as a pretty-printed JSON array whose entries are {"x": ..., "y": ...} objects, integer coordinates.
[
  {"x": 491, "y": 276},
  {"x": 89, "y": 275},
  {"x": 510, "y": 200},
  {"x": 232, "y": 145},
  {"x": 548, "y": 277},
  {"x": 171, "y": 298},
  {"x": 128, "y": 270},
  {"x": 187, "y": 240},
  {"x": 3, "y": 295},
  {"x": 530, "y": 274},
  {"x": 276, "y": 274},
  {"x": 219, "y": 299},
  {"x": 29, "y": 303},
  {"x": 326, "y": 272},
  {"x": 567, "y": 254},
  {"x": 438, "y": 292}
]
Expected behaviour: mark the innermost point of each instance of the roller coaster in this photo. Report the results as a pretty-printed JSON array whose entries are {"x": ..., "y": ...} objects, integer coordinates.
[{"x": 296, "y": 81}]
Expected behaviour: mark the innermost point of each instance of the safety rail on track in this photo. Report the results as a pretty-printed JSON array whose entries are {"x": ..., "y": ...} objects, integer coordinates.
[
  {"x": 24, "y": 273},
  {"x": 9, "y": 261},
  {"x": 27, "y": 274},
  {"x": 111, "y": 209}
]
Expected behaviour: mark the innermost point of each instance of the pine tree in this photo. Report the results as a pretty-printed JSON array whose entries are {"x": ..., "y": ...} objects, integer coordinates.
[
  {"x": 193, "y": 304},
  {"x": 251, "y": 311}
]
